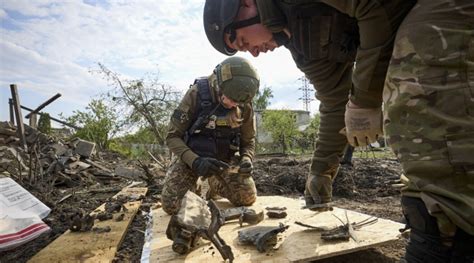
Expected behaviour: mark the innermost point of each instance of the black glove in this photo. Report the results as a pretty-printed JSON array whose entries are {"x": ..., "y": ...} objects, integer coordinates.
[
  {"x": 245, "y": 165},
  {"x": 207, "y": 166}
]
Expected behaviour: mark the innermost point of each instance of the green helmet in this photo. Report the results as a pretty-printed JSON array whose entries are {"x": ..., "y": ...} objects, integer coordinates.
[{"x": 237, "y": 79}]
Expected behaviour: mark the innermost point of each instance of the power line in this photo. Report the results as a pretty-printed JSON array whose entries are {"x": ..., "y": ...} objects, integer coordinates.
[{"x": 307, "y": 89}]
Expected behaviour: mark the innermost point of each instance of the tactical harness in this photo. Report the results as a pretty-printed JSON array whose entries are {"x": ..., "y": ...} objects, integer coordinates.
[
  {"x": 211, "y": 134},
  {"x": 318, "y": 31}
]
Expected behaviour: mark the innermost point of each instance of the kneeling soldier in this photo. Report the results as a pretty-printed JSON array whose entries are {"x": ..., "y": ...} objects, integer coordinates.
[{"x": 213, "y": 122}]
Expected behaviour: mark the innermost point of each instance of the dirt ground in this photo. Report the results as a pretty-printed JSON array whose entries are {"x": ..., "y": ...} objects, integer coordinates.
[{"x": 364, "y": 187}]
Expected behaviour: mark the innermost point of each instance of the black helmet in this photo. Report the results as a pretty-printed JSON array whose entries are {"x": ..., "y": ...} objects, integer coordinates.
[
  {"x": 218, "y": 15},
  {"x": 219, "y": 18}
]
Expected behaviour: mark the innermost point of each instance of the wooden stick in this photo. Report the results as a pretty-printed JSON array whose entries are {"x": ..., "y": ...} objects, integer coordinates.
[{"x": 19, "y": 117}]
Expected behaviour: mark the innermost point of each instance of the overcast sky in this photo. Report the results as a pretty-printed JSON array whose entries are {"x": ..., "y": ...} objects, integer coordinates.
[{"x": 49, "y": 47}]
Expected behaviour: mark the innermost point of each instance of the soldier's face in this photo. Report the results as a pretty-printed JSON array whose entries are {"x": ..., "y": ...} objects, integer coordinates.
[
  {"x": 227, "y": 102},
  {"x": 255, "y": 38}
]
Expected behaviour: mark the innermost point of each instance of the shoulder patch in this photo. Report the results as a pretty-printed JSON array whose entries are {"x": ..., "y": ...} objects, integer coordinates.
[
  {"x": 180, "y": 116},
  {"x": 226, "y": 72}
]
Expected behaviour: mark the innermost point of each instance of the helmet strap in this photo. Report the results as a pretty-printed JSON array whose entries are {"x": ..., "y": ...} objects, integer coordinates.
[{"x": 232, "y": 29}]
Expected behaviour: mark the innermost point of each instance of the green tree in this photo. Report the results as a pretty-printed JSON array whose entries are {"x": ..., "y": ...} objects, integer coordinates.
[
  {"x": 308, "y": 137},
  {"x": 262, "y": 99},
  {"x": 98, "y": 123},
  {"x": 144, "y": 103},
  {"x": 144, "y": 137},
  {"x": 282, "y": 126},
  {"x": 44, "y": 124}
]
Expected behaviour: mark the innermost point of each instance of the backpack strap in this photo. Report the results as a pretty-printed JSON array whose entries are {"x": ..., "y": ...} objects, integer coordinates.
[
  {"x": 204, "y": 108},
  {"x": 205, "y": 103}
]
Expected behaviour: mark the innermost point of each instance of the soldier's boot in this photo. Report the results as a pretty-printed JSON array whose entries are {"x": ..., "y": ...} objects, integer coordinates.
[
  {"x": 314, "y": 194},
  {"x": 318, "y": 188},
  {"x": 425, "y": 243}
]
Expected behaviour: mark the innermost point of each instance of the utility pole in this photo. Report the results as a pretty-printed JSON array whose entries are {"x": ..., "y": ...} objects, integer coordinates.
[{"x": 306, "y": 87}]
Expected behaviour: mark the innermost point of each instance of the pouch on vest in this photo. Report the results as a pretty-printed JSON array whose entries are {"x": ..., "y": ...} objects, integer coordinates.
[
  {"x": 216, "y": 140},
  {"x": 321, "y": 32}
]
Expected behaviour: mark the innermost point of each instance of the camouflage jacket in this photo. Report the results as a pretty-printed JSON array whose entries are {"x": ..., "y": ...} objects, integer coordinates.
[{"x": 182, "y": 120}]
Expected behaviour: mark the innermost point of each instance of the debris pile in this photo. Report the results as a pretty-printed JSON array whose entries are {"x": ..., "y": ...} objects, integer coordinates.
[
  {"x": 71, "y": 177},
  {"x": 47, "y": 163}
]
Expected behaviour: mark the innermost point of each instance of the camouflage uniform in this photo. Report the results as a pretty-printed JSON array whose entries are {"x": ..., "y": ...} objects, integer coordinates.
[
  {"x": 239, "y": 188},
  {"x": 429, "y": 109}
]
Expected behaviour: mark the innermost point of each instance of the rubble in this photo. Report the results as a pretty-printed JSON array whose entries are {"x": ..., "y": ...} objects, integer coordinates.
[
  {"x": 81, "y": 222},
  {"x": 84, "y": 148},
  {"x": 53, "y": 170},
  {"x": 262, "y": 237},
  {"x": 50, "y": 162},
  {"x": 276, "y": 212}
]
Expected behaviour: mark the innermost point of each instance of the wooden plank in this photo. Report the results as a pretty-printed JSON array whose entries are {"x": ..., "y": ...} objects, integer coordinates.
[
  {"x": 44, "y": 104},
  {"x": 12, "y": 111},
  {"x": 19, "y": 117},
  {"x": 91, "y": 246},
  {"x": 53, "y": 119},
  {"x": 295, "y": 245}
]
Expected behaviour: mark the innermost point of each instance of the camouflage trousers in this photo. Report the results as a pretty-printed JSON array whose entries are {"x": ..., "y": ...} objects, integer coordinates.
[
  {"x": 429, "y": 109},
  {"x": 239, "y": 189}
]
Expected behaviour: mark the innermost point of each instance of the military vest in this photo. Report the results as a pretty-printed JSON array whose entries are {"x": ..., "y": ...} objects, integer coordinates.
[
  {"x": 211, "y": 134},
  {"x": 318, "y": 31}
]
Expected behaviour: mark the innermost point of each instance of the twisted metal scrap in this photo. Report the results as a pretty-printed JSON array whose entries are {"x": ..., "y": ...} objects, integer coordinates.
[{"x": 342, "y": 232}]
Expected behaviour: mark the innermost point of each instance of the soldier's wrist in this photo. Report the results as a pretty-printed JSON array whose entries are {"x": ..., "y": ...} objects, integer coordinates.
[
  {"x": 364, "y": 99},
  {"x": 188, "y": 157}
]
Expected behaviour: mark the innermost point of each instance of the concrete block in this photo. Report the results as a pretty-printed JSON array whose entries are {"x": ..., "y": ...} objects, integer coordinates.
[{"x": 84, "y": 148}]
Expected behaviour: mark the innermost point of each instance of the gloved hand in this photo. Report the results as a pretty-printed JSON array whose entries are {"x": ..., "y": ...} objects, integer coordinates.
[
  {"x": 245, "y": 165},
  {"x": 207, "y": 166},
  {"x": 363, "y": 126}
]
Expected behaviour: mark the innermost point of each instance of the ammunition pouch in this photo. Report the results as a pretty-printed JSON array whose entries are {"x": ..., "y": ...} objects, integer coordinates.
[{"x": 321, "y": 32}]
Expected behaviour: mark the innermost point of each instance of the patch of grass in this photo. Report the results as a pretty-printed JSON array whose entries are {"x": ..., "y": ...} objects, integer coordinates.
[{"x": 373, "y": 153}]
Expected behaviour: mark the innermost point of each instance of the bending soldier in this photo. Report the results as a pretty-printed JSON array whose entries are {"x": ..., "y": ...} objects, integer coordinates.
[
  {"x": 214, "y": 121},
  {"x": 324, "y": 41},
  {"x": 415, "y": 56}
]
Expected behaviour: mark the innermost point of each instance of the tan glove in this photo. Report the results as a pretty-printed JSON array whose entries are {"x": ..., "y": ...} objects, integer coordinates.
[{"x": 363, "y": 126}]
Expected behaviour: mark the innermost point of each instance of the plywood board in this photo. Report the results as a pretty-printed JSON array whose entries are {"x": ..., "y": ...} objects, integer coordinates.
[
  {"x": 91, "y": 246},
  {"x": 295, "y": 245}
]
